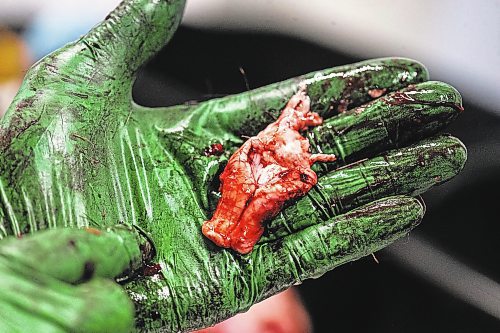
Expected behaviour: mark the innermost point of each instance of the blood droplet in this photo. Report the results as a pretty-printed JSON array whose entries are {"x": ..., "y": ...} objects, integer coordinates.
[
  {"x": 215, "y": 149},
  {"x": 152, "y": 269},
  {"x": 375, "y": 93},
  {"x": 93, "y": 231}
]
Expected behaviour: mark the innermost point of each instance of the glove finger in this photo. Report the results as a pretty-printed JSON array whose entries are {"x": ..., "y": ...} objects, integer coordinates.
[
  {"x": 406, "y": 171},
  {"x": 33, "y": 301},
  {"x": 331, "y": 91},
  {"x": 232, "y": 283},
  {"x": 76, "y": 255},
  {"x": 315, "y": 250},
  {"x": 393, "y": 121}
]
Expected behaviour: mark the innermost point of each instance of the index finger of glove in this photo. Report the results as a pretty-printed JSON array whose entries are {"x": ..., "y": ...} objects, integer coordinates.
[{"x": 331, "y": 91}]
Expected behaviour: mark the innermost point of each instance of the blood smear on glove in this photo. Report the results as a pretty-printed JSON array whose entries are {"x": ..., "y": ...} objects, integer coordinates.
[{"x": 265, "y": 172}]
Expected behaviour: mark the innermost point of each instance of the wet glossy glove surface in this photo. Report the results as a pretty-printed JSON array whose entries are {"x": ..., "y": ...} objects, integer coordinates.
[{"x": 75, "y": 151}]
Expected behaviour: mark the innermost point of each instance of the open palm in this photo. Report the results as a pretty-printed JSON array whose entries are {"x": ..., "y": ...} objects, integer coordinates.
[{"x": 76, "y": 151}]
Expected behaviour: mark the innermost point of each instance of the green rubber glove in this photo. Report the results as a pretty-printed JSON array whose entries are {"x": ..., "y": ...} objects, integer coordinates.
[{"x": 75, "y": 151}]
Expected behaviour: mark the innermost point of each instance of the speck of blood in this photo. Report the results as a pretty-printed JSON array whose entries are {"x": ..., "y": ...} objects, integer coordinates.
[
  {"x": 215, "y": 149},
  {"x": 342, "y": 107},
  {"x": 93, "y": 231},
  {"x": 152, "y": 269},
  {"x": 375, "y": 93}
]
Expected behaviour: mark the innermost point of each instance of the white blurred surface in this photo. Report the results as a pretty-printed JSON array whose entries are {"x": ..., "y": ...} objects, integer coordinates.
[
  {"x": 459, "y": 40},
  {"x": 448, "y": 273}
]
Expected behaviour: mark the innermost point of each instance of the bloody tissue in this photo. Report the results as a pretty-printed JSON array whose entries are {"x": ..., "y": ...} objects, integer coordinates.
[{"x": 265, "y": 172}]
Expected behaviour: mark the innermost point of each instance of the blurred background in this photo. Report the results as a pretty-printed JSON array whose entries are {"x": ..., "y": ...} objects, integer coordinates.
[{"x": 445, "y": 276}]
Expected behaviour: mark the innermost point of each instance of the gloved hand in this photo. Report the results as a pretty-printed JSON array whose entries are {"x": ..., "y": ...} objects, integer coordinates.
[{"x": 75, "y": 151}]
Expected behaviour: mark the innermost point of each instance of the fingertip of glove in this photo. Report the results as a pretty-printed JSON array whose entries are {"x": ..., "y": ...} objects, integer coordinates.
[
  {"x": 460, "y": 154},
  {"x": 414, "y": 209},
  {"x": 423, "y": 206},
  {"x": 437, "y": 94},
  {"x": 420, "y": 209},
  {"x": 419, "y": 68},
  {"x": 107, "y": 308},
  {"x": 414, "y": 67}
]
